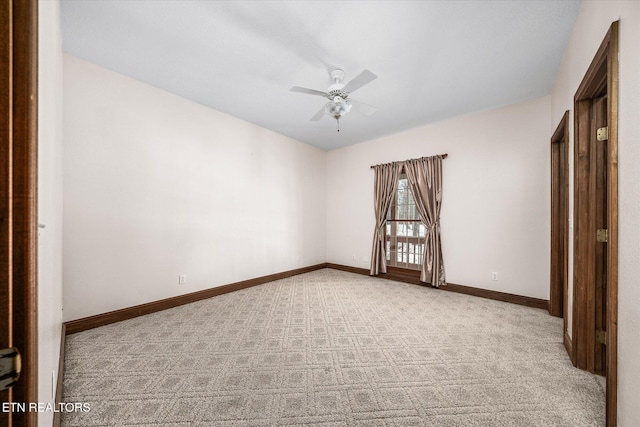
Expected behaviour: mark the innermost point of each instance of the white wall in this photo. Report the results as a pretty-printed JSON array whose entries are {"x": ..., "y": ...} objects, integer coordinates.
[
  {"x": 157, "y": 186},
  {"x": 495, "y": 209},
  {"x": 592, "y": 24},
  {"x": 49, "y": 201}
]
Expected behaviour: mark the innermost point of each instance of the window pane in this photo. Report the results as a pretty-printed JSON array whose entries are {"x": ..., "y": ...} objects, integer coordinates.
[
  {"x": 388, "y": 226},
  {"x": 410, "y": 197},
  {"x": 401, "y": 208},
  {"x": 412, "y": 249},
  {"x": 414, "y": 212},
  {"x": 423, "y": 230}
]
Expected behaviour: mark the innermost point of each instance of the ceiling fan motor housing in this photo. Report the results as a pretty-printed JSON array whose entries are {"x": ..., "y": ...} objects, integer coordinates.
[{"x": 333, "y": 93}]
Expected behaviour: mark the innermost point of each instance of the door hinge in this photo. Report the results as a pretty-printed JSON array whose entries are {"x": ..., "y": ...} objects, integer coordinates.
[
  {"x": 602, "y": 235},
  {"x": 601, "y": 337},
  {"x": 10, "y": 367},
  {"x": 602, "y": 134}
]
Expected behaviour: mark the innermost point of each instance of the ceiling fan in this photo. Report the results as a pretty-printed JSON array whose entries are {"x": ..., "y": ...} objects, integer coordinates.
[{"x": 338, "y": 94}]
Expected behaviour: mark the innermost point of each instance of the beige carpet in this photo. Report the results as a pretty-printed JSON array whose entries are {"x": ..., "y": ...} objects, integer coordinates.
[{"x": 330, "y": 348}]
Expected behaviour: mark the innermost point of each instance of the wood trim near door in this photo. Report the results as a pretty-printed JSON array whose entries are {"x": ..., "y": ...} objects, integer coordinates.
[
  {"x": 18, "y": 189},
  {"x": 603, "y": 72},
  {"x": 5, "y": 182},
  {"x": 612, "y": 225},
  {"x": 558, "y": 295}
]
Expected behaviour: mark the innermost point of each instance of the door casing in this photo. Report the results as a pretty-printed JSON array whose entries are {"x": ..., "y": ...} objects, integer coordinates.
[
  {"x": 559, "y": 217},
  {"x": 559, "y": 277}
]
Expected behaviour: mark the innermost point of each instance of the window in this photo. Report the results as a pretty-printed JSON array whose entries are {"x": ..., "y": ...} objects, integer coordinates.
[{"x": 405, "y": 234}]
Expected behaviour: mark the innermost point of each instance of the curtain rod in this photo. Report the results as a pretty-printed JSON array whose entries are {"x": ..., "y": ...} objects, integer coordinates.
[{"x": 442, "y": 156}]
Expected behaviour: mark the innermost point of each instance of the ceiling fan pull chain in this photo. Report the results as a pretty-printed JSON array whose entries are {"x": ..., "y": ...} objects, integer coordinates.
[{"x": 338, "y": 120}]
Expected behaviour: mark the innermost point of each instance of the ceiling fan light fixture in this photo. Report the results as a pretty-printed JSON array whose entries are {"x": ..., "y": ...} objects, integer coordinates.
[{"x": 338, "y": 107}]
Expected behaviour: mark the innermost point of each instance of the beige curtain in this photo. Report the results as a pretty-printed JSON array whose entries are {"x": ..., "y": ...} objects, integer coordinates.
[
  {"x": 425, "y": 181},
  {"x": 385, "y": 186}
]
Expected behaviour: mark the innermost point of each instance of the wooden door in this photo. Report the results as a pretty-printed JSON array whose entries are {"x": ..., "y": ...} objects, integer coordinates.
[
  {"x": 18, "y": 218},
  {"x": 599, "y": 164}
]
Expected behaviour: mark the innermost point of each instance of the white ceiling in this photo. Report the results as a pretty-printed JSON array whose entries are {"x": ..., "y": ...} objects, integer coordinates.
[{"x": 434, "y": 59}]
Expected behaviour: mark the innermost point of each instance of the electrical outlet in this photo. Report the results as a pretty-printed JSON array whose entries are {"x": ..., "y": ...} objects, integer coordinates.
[
  {"x": 353, "y": 257},
  {"x": 182, "y": 279},
  {"x": 494, "y": 276}
]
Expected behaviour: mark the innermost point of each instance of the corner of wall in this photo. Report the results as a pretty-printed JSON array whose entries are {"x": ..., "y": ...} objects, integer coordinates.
[{"x": 49, "y": 201}]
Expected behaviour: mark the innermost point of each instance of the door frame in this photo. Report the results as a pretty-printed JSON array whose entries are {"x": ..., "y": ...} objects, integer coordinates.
[
  {"x": 559, "y": 290},
  {"x": 603, "y": 70},
  {"x": 18, "y": 198}
]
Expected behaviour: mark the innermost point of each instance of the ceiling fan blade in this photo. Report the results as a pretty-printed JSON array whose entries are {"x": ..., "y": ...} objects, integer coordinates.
[
  {"x": 318, "y": 115},
  {"x": 360, "y": 80},
  {"x": 366, "y": 109},
  {"x": 309, "y": 91}
]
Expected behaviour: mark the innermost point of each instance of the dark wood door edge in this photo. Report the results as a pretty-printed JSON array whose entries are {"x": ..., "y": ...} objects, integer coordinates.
[
  {"x": 567, "y": 346},
  {"x": 612, "y": 225},
  {"x": 91, "y": 322},
  {"x": 559, "y": 261},
  {"x": 18, "y": 190},
  {"x": 413, "y": 277}
]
